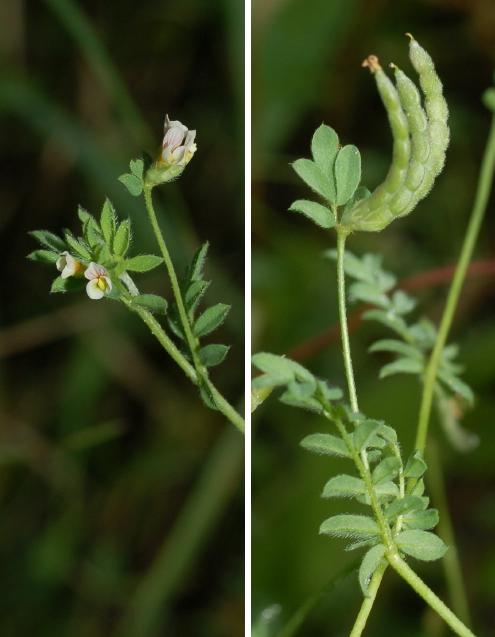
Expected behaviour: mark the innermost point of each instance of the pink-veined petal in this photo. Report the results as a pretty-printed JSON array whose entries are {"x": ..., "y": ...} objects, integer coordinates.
[
  {"x": 94, "y": 270},
  {"x": 91, "y": 272}
]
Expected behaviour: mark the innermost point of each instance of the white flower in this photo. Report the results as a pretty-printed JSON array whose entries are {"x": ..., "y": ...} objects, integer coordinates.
[
  {"x": 99, "y": 282},
  {"x": 68, "y": 266},
  {"x": 178, "y": 143}
]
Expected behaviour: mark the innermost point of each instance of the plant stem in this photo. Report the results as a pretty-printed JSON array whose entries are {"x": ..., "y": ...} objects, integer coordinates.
[
  {"x": 368, "y": 601},
  {"x": 184, "y": 319},
  {"x": 225, "y": 407},
  {"x": 167, "y": 344},
  {"x": 360, "y": 461},
  {"x": 201, "y": 374},
  {"x": 450, "y": 561},
  {"x": 477, "y": 214},
  {"x": 344, "y": 331},
  {"x": 417, "y": 584}
]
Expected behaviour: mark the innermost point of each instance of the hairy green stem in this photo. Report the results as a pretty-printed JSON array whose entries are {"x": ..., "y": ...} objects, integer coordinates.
[
  {"x": 225, "y": 407},
  {"x": 424, "y": 591},
  {"x": 202, "y": 378},
  {"x": 361, "y": 461},
  {"x": 184, "y": 319},
  {"x": 477, "y": 215},
  {"x": 364, "y": 472},
  {"x": 450, "y": 561},
  {"x": 368, "y": 601},
  {"x": 167, "y": 344},
  {"x": 344, "y": 331}
]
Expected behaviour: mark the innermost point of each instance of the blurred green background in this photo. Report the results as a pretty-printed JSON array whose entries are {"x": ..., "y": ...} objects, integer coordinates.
[
  {"x": 121, "y": 495},
  {"x": 307, "y": 69}
]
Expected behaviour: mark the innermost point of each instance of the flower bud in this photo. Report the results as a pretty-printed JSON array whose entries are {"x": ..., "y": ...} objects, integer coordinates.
[
  {"x": 177, "y": 150},
  {"x": 68, "y": 266}
]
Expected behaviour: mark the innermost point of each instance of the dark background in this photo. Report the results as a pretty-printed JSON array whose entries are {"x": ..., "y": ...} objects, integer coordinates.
[
  {"x": 307, "y": 69},
  {"x": 120, "y": 493}
]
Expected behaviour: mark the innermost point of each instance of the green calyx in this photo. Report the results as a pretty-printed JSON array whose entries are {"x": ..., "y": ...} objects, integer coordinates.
[{"x": 161, "y": 173}]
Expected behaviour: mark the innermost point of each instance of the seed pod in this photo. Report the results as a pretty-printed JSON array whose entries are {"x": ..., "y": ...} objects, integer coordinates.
[
  {"x": 435, "y": 105},
  {"x": 405, "y": 200},
  {"x": 437, "y": 114},
  {"x": 373, "y": 212},
  {"x": 429, "y": 138}
]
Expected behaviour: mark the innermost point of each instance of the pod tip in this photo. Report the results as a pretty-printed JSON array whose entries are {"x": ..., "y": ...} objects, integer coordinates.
[{"x": 372, "y": 63}]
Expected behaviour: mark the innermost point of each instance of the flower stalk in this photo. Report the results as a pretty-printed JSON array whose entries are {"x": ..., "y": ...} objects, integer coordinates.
[{"x": 201, "y": 375}]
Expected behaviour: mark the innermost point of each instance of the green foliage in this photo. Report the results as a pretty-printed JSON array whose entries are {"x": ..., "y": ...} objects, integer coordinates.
[
  {"x": 105, "y": 242},
  {"x": 44, "y": 256},
  {"x": 213, "y": 354},
  {"x": 324, "y": 148},
  {"x": 80, "y": 249},
  {"x": 108, "y": 222},
  {"x": 422, "y": 545},
  {"x": 49, "y": 240},
  {"x": 60, "y": 285},
  {"x": 360, "y": 527},
  {"x": 375, "y": 286},
  {"x": 321, "y": 215},
  {"x": 142, "y": 263},
  {"x": 314, "y": 177},
  {"x": 211, "y": 319},
  {"x": 415, "y": 466},
  {"x": 373, "y": 448},
  {"x": 325, "y": 445},
  {"x": 420, "y": 142},
  {"x": 369, "y": 565},
  {"x": 333, "y": 173},
  {"x": 347, "y": 173},
  {"x": 152, "y": 302},
  {"x": 122, "y": 238},
  {"x": 344, "y": 486},
  {"x": 133, "y": 181}
]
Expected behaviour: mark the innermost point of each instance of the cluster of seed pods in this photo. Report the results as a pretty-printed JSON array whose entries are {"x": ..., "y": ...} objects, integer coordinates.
[{"x": 421, "y": 137}]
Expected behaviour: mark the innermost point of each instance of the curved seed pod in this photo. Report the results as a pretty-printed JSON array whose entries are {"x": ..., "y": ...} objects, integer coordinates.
[
  {"x": 373, "y": 213},
  {"x": 436, "y": 109},
  {"x": 405, "y": 200},
  {"x": 429, "y": 141}
]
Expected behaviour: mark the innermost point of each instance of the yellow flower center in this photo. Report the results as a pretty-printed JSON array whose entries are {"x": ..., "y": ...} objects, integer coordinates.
[{"x": 102, "y": 284}]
